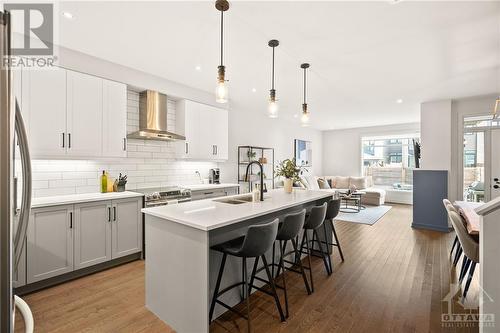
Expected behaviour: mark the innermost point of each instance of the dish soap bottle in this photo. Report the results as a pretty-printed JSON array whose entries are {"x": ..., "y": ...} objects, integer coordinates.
[
  {"x": 104, "y": 182},
  {"x": 256, "y": 193}
]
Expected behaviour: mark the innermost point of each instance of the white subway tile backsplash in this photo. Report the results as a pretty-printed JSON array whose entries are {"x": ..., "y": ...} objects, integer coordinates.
[{"x": 148, "y": 163}]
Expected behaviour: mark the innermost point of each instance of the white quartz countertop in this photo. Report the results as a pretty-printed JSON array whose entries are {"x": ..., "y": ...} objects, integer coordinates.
[
  {"x": 202, "y": 187},
  {"x": 209, "y": 214},
  {"x": 81, "y": 198}
]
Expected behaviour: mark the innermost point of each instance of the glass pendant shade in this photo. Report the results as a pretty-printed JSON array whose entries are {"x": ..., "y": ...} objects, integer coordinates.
[
  {"x": 304, "y": 119},
  {"x": 221, "y": 92},
  {"x": 273, "y": 109}
]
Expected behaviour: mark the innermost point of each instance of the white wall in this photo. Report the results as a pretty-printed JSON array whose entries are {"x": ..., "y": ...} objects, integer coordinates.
[
  {"x": 342, "y": 148},
  {"x": 247, "y": 127},
  {"x": 442, "y": 135},
  {"x": 435, "y": 135}
]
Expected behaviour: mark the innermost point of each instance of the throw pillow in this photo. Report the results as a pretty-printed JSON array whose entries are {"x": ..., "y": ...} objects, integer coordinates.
[
  {"x": 359, "y": 182},
  {"x": 342, "y": 182},
  {"x": 323, "y": 184},
  {"x": 313, "y": 183}
]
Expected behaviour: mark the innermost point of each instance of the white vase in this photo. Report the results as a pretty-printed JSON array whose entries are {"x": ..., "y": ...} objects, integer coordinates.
[{"x": 288, "y": 185}]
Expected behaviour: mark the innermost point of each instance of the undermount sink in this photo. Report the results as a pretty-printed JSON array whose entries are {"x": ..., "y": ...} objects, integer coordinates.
[{"x": 236, "y": 200}]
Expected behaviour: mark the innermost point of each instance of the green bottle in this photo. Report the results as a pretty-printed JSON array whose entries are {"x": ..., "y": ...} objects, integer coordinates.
[{"x": 104, "y": 182}]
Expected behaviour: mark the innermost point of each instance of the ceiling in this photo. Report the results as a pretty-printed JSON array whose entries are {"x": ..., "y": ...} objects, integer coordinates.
[{"x": 364, "y": 55}]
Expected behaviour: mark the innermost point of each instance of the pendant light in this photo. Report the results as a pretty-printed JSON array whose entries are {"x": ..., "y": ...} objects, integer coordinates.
[
  {"x": 221, "y": 91},
  {"x": 304, "y": 119},
  {"x": 273, "y": 103}
]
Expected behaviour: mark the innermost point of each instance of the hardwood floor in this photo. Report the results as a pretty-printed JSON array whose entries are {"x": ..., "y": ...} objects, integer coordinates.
[{"x": 394, "y": 279}]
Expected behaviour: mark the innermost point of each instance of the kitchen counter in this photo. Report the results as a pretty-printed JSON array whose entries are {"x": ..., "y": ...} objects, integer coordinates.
[
  {"x": 81, "y": 198},
  {"x": 203, "y": 187},
  {"x": 210, "y": 214},
  {"x": 181, "y": 270}
]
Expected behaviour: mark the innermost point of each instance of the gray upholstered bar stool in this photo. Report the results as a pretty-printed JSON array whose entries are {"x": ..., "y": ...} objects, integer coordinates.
[
  {"x": 313, "y": 223},
  {"x": 332, "y": 210},
  {"x": 257, "y": 241},
  {"x": 288, "y": 231}
]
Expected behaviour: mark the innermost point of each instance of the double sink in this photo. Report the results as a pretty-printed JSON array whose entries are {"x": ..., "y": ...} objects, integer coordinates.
[{"x": 236, "y": 200}]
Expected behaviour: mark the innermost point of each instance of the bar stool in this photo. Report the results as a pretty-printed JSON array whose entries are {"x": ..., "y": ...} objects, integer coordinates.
[
  {"x": 332, "y": 211},
  {"x": 254, "y": 244},
  {"x": 313, "y": 223},
  {"x": 288, "y": 231}
]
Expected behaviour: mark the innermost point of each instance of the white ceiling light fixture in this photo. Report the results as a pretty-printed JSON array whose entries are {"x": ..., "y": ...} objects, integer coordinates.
[
  {"x": 198, "y": 68},
  {"x": 272, "y": 108},
  {"x": 304, "y": 119},
  {"x": 399, "y": 101},
  {"x": 221, "y": 91},
  {"x": 254, "y": 90},
  {"x": 68, "y": 15}
]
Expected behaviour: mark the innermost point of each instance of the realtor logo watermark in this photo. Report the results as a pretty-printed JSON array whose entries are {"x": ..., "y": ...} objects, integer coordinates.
[
  {"x": 33, "y": 35},
  {"x": 469, "y": 317}
]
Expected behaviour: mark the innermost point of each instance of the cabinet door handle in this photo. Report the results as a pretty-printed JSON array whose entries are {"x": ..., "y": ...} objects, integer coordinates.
[
  {"x": 187, "y": 148},
  {"x": 109, "y": 214},
  {"x": 114, "y": 213},
  {"x": 216, "y": 150},
  {"x": 63, "y": 136},
  {"x": 213, "y": 149},
  {"x": 69, "y": 140},
  {"x": 124, "y": 144},
  {"x": 71, "y": 220},
  {"x": 208, "y": 193}
]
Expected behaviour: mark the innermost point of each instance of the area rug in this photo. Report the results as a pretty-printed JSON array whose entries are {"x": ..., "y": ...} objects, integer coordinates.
[{"x": 370, "y": 215}]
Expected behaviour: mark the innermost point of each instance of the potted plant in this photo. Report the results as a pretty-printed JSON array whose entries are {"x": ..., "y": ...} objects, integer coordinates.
[{"x": 290, "y": 171}]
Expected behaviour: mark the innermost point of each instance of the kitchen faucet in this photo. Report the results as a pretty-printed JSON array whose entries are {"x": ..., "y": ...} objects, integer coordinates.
[
  {"x": 199, "y": 175},
  {"x": 261, "y": 178}
]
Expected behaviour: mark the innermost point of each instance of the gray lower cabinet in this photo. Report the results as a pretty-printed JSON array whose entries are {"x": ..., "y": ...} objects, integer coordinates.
[
  {"x": 126, "y": 227},
  {"x": 49, "y": 243},
  {"x": 61, "y": 239},
  {"x": 92, "y": 233}
]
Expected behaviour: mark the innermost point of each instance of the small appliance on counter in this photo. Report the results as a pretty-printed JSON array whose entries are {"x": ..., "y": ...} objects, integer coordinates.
[{"x": 214, "y": 176}]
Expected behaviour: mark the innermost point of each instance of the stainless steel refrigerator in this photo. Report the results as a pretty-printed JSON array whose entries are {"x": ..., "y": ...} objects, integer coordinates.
[{"x": 12, "y": 213}]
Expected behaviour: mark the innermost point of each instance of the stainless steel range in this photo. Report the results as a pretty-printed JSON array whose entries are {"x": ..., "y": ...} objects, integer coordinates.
[{"x": 164, "y": 195}]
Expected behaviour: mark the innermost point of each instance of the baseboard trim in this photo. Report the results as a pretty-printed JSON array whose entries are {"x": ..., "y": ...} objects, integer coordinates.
[
  {"x": 430, "y": 227},
  {"x": 36, "y": 286}
]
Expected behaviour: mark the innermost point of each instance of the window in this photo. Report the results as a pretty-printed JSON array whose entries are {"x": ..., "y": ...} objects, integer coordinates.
[{"x": 390, "y": 160}]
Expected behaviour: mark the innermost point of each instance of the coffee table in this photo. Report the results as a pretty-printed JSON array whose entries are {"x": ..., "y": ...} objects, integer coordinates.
[{"x": 351, "y": 198}]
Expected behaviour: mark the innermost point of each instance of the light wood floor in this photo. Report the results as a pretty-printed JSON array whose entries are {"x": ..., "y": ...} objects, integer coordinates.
[{"x": 394, "y": 279}]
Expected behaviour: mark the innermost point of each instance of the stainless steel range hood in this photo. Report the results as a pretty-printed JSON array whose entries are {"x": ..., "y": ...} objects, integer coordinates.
[{"x": 153, "y": 118}]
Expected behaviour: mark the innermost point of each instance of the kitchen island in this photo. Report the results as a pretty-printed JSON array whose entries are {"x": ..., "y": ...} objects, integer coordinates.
[{"x": 180, "y": 267}]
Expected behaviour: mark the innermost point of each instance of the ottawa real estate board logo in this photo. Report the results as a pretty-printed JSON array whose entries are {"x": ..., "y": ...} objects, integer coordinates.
[{"x": 32, "y": 44}]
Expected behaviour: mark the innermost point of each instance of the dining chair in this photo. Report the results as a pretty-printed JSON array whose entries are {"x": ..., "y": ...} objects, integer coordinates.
[
  {"x": 449, "y": 206},
  {"x": 469, "y": 245}
]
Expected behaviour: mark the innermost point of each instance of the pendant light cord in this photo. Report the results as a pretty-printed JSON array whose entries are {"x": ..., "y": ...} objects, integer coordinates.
[
  {"x": 304, "y": 85},
  {"x": 272, "y": 83},
  {"x": 221, "y": 36}
]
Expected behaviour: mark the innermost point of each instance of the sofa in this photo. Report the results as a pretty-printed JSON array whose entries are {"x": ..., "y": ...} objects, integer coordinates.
[{"x": 373, "y": 196}]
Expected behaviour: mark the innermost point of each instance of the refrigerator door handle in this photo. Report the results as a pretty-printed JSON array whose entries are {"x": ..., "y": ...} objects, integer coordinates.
[{"x": 25, "y": 208}]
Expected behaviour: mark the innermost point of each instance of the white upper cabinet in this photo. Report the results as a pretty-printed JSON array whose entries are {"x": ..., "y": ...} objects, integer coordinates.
[
  {"x": 84, "y": 114},
  {"x": 44, "y": 111},
  {"x": 114, "y": 142},
  {"x": 71, "y": 114},
  {"x": 206, "y": 131}
]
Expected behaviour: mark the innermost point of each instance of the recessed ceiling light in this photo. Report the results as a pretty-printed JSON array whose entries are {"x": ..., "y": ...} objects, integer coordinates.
[
  {"x": 399, "y": 101},
  {"x": 68, "y": 15},
  {"x": 254, "y": 90},
  {"x": 198, "y": 68},
  {"x": 295, "y": 115}
]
